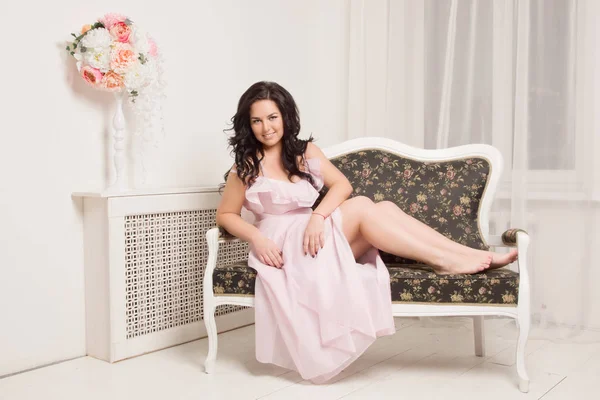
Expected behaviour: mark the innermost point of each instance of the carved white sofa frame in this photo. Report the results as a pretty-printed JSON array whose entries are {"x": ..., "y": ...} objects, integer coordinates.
[{"x": 520, "y": 312}]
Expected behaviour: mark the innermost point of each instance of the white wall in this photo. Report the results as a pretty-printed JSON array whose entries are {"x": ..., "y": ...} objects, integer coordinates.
[{"x": 56, "y": 132}]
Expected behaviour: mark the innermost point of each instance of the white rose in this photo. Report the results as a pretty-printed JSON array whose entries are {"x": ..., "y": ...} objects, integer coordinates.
[
  {"x": 98, "y": 59},
  {"x": 140, "y": 75},
  {"x": 96, "y": 39}
]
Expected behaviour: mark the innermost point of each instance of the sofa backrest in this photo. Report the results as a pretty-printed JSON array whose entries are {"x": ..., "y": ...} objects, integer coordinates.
[{"x": 445, "y": 195}]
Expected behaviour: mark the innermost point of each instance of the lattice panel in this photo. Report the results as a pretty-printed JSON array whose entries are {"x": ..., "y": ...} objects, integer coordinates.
[{"x": 165, "y": 258}]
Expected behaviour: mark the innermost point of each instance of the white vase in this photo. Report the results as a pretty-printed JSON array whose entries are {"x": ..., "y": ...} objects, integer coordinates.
[{"x": 119, "y": 182}]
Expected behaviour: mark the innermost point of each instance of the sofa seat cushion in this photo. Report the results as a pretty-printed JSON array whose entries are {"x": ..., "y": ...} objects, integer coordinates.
[
  {"x": 235, "y": 279},
  {"x": 414, "y": 284},
  {"x": 419, "y": 284}
]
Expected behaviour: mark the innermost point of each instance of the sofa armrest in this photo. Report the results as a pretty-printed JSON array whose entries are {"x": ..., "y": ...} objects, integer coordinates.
[
  {"x": 520, "y": 239},
  {"x": 513, "y": 238},
  {"x": 216, "y": 241},
  {"x": 507, "y": 239},
  {"x": 226, "y": 237},
  {"x": 212, "y": 239}
]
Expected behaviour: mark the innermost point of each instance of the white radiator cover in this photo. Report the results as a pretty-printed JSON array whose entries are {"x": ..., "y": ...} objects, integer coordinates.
[{"x": 144, "y": 260}]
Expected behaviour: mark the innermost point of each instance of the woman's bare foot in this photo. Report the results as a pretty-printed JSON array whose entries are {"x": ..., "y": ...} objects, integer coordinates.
[
  {"x": 499, "y": 260},
  {"x": 463, "y": 264}
]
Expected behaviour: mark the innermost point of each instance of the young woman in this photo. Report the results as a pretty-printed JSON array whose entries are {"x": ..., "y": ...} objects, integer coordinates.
[{"x": 322, "y": 292}]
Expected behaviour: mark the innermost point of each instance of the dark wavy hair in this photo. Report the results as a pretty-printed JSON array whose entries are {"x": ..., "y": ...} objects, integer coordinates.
[{"x": 247, "y": 149}]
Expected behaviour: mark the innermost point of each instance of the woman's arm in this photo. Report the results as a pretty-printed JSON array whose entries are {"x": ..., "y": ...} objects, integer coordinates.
[
  {"x": 230, "y": 207},
  {"x": 339, "y": 190},
  {"x": 337, "y": 183},
  {"x": 229, "y": 217}
]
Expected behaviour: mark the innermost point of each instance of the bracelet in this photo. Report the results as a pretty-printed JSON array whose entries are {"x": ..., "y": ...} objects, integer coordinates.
[{"x": 320, "y": 215}]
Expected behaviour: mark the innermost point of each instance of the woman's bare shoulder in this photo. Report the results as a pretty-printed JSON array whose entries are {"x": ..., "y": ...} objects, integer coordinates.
[{"x": 313, "y": 151}]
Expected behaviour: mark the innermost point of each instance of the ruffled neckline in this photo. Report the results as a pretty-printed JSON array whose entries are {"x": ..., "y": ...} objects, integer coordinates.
[{"x": 275, "y": 196}]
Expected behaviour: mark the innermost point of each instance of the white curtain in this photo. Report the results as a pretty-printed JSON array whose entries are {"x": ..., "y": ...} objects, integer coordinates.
[{"x": 522, "y": 75}]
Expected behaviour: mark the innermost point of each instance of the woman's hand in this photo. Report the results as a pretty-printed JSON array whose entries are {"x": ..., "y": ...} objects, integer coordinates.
[
  {"x": 267, "y": 251},
  {"x": 314, "y": 237}
]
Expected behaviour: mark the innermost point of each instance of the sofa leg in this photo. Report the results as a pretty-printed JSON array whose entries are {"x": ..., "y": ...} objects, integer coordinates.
[
  {"x": 479, "y": 334},
  {"x": 211, "y": 330},
  {"x": 523, "y": 323}
]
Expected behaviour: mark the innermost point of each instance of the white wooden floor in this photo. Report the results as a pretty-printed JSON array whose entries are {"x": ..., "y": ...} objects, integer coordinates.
[{"x": 430, "y": 359}]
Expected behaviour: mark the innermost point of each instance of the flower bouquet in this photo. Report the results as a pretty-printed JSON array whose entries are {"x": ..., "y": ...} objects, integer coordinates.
[{"x": 114, "y": 54}]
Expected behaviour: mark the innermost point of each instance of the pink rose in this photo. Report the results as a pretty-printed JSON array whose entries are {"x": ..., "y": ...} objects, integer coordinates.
[
  {"x": 482, "y": 290},
  {"x": 469, "y": 162},
  {"x": 431, "y": 290},
  {"x": 121, "y": 57},
  {"x": 385, "y": 159},
  {"x": 414, "y": 208},
  {"x": 468, "y": 230},
  {"x": 457, "y": 210},
  {"x": 153, "y": 51},
  {"x": 110, "y": 19},
  {"x": 112, "y": 81},
  {"x": 120, "y": 31},
  {"x": 407, "y": 173},
  {"x": 443, "y": 192},
  {"x": 366, "y": 172},
  {"x": 91, "y": 75},
  {"x": 425, "y": 208},
  {"x": 450, "y": 174}
]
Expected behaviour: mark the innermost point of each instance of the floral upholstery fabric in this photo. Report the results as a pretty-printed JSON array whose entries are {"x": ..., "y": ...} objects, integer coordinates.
[
  {"x": 444, "y": 195},
  {"x": 409, "y": 284},
  {"x": 234, "y": 279},
  {"x": 419, "y": 284}
]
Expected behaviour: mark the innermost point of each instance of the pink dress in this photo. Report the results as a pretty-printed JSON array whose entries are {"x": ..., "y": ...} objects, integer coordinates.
[{"x": 315, "y": 315}]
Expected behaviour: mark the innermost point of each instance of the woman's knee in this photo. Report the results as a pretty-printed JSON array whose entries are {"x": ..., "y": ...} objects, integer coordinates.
[
  {"x": 363, "y": 204},
  {"x": 386, "y": 204},
  {"x": 362, "y": 201},
  {"x": 357, "y": 208}
]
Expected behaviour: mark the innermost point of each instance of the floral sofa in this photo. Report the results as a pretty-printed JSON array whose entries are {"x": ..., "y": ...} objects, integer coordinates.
[{"x": 450, "y": 190}]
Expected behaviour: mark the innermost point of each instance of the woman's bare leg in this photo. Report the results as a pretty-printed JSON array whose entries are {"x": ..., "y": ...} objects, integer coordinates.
[
  {"x": 386, "y": 227},
  {"x": 400, "y": 217}
]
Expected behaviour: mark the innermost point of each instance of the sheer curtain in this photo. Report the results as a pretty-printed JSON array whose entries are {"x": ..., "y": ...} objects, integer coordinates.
[{"x": 522, "y": 75}]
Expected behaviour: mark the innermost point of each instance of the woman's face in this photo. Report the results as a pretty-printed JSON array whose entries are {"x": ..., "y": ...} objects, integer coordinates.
[{"x": 266, "y": 122}]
